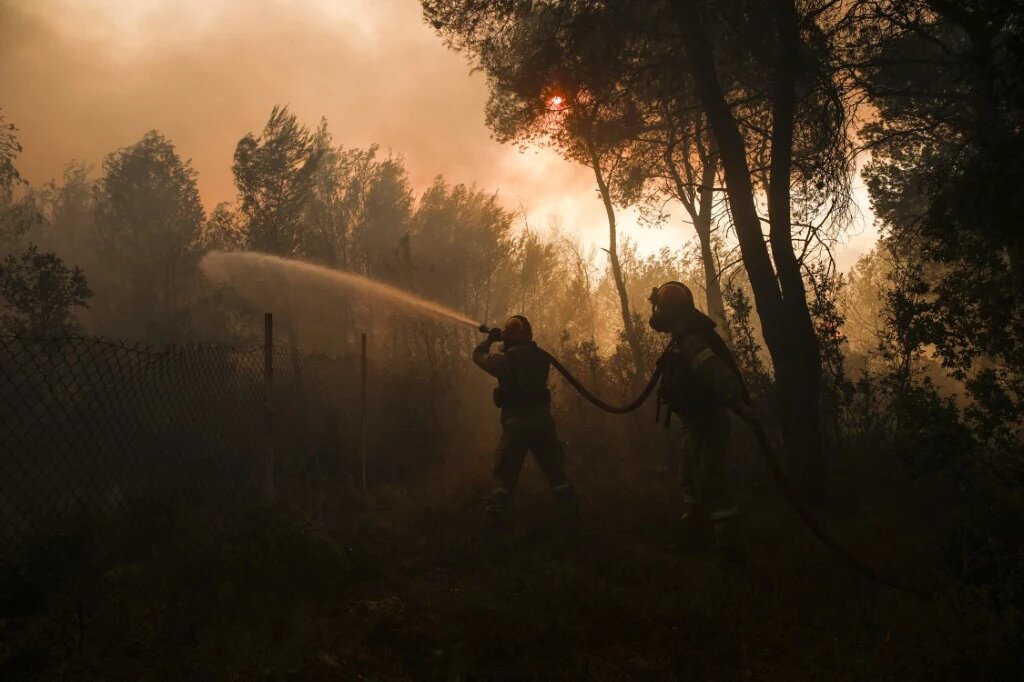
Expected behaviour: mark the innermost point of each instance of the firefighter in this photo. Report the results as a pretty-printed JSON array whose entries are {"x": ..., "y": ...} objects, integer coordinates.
[
  {"x": 701, "y": 384},
  {"x": 526, "y": 422}
]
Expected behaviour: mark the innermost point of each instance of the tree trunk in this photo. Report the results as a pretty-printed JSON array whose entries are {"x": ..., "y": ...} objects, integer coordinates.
[
  {"x": 800, "y": 383},
  {"x": 632, "y": 338},
  {"x": 712, "y": 277},
  {"x": 786, "y": 324},
  {"x": 701, "y": 217}
]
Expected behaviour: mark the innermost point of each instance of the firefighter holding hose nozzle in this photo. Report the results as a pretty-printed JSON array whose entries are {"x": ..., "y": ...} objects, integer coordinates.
[
  {"x": 522, "y": 368},
  {"x": 701, "y": 384}
]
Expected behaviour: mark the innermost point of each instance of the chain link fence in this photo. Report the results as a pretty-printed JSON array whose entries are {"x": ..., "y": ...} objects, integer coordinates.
[{"x": 87, "y": 425}]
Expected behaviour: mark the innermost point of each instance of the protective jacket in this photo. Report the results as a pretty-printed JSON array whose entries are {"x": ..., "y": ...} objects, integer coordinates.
[
  {"x": 522, "y": 372},
  {"x": 700, "y": 373}
]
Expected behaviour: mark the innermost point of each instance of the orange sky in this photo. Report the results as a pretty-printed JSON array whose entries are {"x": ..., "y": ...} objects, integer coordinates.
[{"x": 83, "y": 77}]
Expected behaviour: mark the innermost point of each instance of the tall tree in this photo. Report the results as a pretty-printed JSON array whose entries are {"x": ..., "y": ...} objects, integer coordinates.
[
  {"x": 38, "y": 292},
  {"x": 358, "y": 208},
  {"x": 549, "y": 86},
  {"x": 383, "y": 225},
  {"x": 459, "y": 243},
  {"x": 149, "y": 217},
  {"x": 17, "y": 214},
  {"x": 68, "y": 211},
  {"x": 336, "y": 201},
  {"x": 764, "y": 76},
  {"x": 676, "y": 158},
  {"x": 945, "y": 80},
  {"x": 274, "y": 175}
]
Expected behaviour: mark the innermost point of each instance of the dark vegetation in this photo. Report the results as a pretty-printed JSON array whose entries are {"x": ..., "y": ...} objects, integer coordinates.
[{"x": 895, "y": 389}]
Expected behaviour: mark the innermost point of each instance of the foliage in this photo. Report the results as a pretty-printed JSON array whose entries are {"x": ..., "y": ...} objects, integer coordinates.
[
  {"x": 149, "y": 218},
  {"x": 274, "y": 175},
  {"x": 38, "y": 294},
  {"x": 223, "y": 230},
  {"x": 744, "y": 342},
  {"x": 383, "y": 228},
  {"x": 944, "y": 181},
  {"x": 9, "y": 150},
  {"x": 17, "y": 214},
  {"x": 829, "y": 325}
]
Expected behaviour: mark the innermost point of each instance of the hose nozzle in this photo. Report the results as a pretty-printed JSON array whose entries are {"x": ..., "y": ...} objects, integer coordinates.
[{"x": 484, "y": 329}]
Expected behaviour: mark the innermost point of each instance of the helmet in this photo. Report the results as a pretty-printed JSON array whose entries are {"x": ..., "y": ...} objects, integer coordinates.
[
  {"x": 669, "y": 303},
  {"x": 517, "y": 329}
]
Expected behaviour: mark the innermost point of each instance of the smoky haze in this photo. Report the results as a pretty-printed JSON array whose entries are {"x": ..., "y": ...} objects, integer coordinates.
[
  {"x": 84, "y": 78},
  {"x": 303, "y": 376}
]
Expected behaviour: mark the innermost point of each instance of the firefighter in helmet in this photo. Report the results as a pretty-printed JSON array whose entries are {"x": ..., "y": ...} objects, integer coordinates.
[
  {"x": 526, "y": 422},
  {"x": 701, "y": 384}
]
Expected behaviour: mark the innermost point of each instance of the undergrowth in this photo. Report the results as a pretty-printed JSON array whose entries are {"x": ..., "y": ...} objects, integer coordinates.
[{"x": 412, "y": 584}]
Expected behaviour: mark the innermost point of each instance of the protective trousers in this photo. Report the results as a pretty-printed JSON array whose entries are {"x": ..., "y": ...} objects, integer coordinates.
[
  {"x": 542, "y": 441},
  {"x": 707, "y": 493}
]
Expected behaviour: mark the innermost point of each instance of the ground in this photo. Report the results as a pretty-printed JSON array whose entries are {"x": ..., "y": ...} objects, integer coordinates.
[{"x": 408, "y": 584}]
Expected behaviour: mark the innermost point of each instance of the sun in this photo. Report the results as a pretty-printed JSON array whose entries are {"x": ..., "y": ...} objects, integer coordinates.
[{"x": 555, "y": 102}]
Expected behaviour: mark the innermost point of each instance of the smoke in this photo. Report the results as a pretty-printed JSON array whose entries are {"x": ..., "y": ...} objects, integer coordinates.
[{"x": 206, "y": 72}]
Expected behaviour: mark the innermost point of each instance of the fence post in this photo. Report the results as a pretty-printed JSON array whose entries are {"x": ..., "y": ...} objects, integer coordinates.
[
  {"x": 268, "y": 400},
  {"x": 363, "y": 415}
]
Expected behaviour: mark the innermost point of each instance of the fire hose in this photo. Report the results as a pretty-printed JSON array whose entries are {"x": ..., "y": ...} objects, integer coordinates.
[{"x": 771, "y": 458}]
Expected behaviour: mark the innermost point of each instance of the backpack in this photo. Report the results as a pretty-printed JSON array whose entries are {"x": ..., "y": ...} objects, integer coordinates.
[{"x": 511, "y": 393}]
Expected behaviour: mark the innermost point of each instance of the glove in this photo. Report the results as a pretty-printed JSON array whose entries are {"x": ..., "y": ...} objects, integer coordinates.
[{"x": 494, "y": 335}]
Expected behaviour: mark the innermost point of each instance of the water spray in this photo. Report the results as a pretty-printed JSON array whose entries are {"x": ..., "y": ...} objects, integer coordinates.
[{"x": 235, "y": 266}]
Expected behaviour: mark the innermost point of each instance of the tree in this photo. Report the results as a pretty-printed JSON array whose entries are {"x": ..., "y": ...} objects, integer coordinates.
[
  {"x": 274, "y": 175},
  {"x": 37, "y": 291},
  {"x": 149, "y": 218},
  {"x": 17, "y": 215},
  {"x": 383, "y": 224},
  {"x": 800, "y": 106},
  {"x": 548, "y": 85},
  {"x": 460, "y": 244},
  {"x": 336, "y": 200},
  {"x": 764, "y": 75},
  {"x": 945, "y": 179},
  {"x": 38, "y": 294},
  {"x": 223, "y": 230},
  {"x": 677, "y": 158},
  {"x": 945, "y": 77},
  {"x": 67, "y": 216}
]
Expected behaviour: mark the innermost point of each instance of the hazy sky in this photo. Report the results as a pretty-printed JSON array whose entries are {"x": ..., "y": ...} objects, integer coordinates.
[{"x": 81, "y": 78}]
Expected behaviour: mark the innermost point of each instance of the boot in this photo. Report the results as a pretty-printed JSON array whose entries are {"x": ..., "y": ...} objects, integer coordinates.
[
  {"x": 729, "y": 547},
  {"x": 569, "y": 504},
  {"x": 695, "y": 528},
  {"x": 496, "y": 511}
]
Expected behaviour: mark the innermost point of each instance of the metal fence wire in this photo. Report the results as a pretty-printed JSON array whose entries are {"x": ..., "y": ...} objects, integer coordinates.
[{"x": 88, "y": 424}]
